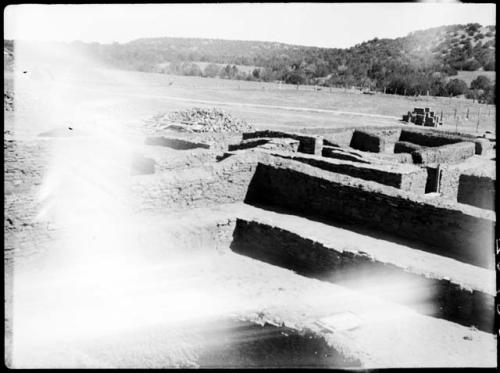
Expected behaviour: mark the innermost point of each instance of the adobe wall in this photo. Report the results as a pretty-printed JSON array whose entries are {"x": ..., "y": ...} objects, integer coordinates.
[
  {"x": 310, "y": 258},
  {"x": 458, "y": 231}
]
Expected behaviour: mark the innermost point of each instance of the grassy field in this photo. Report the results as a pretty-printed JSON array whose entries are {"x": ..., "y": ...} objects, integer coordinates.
[
  {"x": 469, "y": 76},
  {"x": 92, "y": 95}
]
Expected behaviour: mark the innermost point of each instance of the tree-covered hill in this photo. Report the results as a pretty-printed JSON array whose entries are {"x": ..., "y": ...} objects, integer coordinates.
[{"x": 418, "y": 63}]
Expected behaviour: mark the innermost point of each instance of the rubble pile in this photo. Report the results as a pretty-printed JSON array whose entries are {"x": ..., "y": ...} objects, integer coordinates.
[
  {"x": 200, "y": 120},
  {"x": 422, "y": 116}
]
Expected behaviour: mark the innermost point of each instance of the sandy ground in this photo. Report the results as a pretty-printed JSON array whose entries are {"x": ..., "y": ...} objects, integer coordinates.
[{"x": 165, "y": 298}]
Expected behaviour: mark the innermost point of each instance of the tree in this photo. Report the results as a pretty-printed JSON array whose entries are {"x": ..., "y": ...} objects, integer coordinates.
[
  {"x": 489, "y": 66},
  {"x": 234, "y": 71},
  {"x": 295, "y": 77},
  {"x": 191, "y": 68},
  {"x": 397, "y": 85},
  {"x": 456, "y": 87},
  {"x": 211, "y": 70},
  {"x": 471, "y": 65},
  {"x": 174, "y": 67},
  {"x": 481, "y": 82},
  {"x": 268, "y": 75},
  {"x": 438, "y": 87},
  {"x": 229, "y": 71},
  {"x": 489, "y": 96}
]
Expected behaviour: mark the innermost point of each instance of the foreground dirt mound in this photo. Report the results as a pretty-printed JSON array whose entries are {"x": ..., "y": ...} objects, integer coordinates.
[{"x": 200, "y": 120}]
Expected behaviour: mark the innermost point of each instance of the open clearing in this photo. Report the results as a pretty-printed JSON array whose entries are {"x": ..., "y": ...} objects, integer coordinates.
[
  {"x": 469, "y": 76},
  {"x": 135, "y": 95}
]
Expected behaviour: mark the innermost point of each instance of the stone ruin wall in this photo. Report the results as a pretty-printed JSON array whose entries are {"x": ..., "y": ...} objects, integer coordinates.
[
  {"x": 311, "y": 258},
  {"x": 465, "y": 233},
  {"x": 25, "y": 164}
]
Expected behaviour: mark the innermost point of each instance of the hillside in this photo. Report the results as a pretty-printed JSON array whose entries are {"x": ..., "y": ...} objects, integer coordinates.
[{"x": 418, "y": 63}]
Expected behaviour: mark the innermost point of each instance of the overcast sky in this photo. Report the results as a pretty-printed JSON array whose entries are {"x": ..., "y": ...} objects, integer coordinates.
[{"x": 325, "y": 25}]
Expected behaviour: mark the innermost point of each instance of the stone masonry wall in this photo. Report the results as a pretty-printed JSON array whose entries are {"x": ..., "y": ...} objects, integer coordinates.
[
  {"x": 174, "y": 143},
  {"x": 25, "y": 163},
  {"x": 477, "y": 191},
  {"x": 308, "y": 257},
  {"x": 367, "y": 141},
  {"x": 340, "y": 138},
  {"x": 225, "y": 182},
  {"x": 444, "y": 154},
  {"x": 341, "y": 153},
  {"x": 308, "y": 144},
  {"x": 406, "y": 177},
  {"x": 429, "y": 138},
  {"x": 458, "y": 231}
]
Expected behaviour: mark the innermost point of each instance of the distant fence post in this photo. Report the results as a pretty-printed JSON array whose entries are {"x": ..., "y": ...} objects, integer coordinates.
[
  {"x": 455, "y": 113},
  {"x": 467, "y": 115},
  {"x": 478, "y": 116},
  {"x": 441, "y": 117}
]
